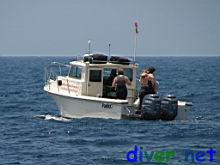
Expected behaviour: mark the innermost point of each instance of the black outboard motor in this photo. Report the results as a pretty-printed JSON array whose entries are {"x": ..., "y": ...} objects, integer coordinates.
[
  {"x": 169, "y": 107},
  {"x": 151, "y": 107}
]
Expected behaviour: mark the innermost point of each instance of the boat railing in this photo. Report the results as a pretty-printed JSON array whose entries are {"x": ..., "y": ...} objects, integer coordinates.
[
  {"x": 133, "y": 95},
  {"x": 54, "y": 70}
]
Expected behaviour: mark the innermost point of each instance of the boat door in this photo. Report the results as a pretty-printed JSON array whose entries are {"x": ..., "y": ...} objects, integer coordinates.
[{"x": 95, "y": 84}]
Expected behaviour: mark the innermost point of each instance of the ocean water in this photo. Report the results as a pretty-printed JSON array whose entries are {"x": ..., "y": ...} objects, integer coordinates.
[{"x": 26, "y": 138}]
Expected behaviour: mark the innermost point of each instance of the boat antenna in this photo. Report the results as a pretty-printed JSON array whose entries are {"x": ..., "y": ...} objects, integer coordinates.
[
  {"x": 109, "y": 50},
  {"x": 89, "y": 46},
  {"x": 135, "y": 38}
]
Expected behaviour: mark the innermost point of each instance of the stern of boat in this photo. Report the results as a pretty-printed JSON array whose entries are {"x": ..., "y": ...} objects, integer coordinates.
[{"x": 183, "y": 110}]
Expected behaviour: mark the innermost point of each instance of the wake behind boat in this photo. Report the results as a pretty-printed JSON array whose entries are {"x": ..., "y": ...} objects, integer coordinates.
[{"x": 83, "y": 89}]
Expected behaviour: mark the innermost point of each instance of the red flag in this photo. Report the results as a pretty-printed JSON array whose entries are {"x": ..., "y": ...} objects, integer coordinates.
[{"x": 136, "y": 26}]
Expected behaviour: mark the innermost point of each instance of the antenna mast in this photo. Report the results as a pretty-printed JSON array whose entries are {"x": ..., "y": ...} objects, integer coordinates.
[
  {"x": 135, "y": 39},
  {"x": 89, "y": 46},
  {"x": 109, "y": 50}
]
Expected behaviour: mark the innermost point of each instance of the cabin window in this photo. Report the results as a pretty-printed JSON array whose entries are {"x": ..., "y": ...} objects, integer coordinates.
[
  {"x": 108, "y": 75},
  {"x": 95, "y": 76},
  {"x": 111, "y": 73},
  {"x": 75, "y": 72},
  {"x": 128, "y": 72}
]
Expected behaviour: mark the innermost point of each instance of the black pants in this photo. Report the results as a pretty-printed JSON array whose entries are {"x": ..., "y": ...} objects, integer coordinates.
[
  {"x": 145, "y": 91},
  {"x": 121, "y": 92}
]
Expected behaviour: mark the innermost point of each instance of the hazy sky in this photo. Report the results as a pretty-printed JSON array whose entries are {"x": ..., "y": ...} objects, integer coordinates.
[{"x": 64, "y": 26}]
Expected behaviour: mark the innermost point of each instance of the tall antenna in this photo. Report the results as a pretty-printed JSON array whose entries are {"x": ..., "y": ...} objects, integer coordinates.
[
  {"x": 109, "y": 50},
  {"x": 89, "y": 46},
  {"x": 135, "y": 39}
]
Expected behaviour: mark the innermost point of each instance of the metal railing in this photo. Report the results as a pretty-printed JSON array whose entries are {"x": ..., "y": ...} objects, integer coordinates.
[{"x": 55, "y": 69}]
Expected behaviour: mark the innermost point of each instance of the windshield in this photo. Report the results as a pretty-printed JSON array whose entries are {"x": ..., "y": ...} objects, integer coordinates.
[{"x": 75, "y": 72}]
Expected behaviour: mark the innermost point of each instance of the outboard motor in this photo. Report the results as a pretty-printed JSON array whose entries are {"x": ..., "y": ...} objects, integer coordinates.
[
  {"x": 169, "y": 107},
  {"x": 151, "y": 107}
]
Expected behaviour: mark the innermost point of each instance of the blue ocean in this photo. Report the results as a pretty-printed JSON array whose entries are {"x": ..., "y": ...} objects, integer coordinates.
[{"x": 26, "y": 138}]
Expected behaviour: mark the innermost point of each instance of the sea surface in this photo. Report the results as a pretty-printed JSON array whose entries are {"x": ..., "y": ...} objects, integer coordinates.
[{"x": 32, "y": 133}]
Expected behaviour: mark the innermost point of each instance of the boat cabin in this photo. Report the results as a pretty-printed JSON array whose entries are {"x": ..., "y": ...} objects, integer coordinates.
[{"x": 93, "y": 76}]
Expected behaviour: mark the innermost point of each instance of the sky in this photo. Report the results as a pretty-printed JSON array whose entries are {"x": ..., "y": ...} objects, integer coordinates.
[{"x": 63, "y": 27}]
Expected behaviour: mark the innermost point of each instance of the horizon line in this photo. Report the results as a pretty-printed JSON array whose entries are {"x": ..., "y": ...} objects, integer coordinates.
[{"x": 139, "y": 55}]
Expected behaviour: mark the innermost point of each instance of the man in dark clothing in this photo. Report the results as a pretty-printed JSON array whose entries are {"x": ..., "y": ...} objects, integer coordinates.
[{"x": 119, "y": 83}]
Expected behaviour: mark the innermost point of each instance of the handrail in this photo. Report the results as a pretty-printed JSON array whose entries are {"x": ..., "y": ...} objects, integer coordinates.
[
  {"x": 133, "y": 94},
  {"x": 68, "y": 85},
  {"x": 49, "y": 73}
]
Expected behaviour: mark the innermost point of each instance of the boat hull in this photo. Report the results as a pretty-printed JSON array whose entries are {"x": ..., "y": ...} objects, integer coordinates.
[
  {"x": 79, "y": 108},
  {"x": 74, "y": 106}
]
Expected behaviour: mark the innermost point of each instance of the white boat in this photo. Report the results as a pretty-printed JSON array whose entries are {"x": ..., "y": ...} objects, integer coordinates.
[{"x": 83, "y": 89}]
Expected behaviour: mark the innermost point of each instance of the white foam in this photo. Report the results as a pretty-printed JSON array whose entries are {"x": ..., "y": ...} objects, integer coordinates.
[{"x": 50, "y": 117}]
